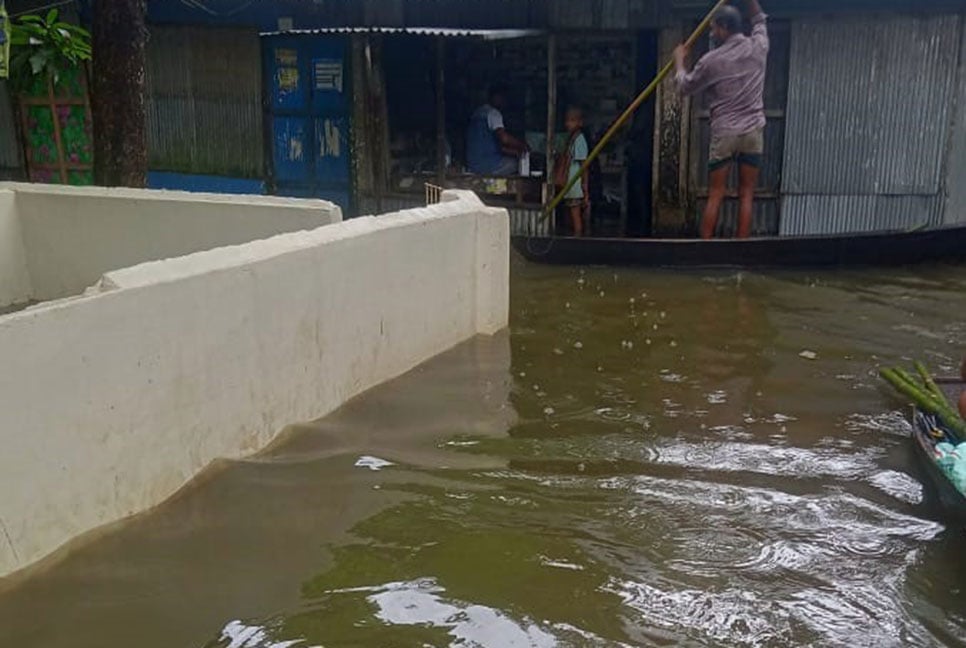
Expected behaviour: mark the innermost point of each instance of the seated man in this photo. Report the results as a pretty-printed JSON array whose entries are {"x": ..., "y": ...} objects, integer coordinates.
[{"x": 490, "y": 149}]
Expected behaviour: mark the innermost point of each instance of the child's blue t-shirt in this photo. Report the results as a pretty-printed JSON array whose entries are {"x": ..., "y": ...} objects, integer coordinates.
[{"x": 578, "y": 153}]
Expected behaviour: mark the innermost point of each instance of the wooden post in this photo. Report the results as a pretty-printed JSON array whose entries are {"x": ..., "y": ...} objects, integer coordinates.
[
  {"x": 378, "y": 114},
  {"x": 669, "y": 214},
  {"x": 361, "y": 130},
  {"x": 549, "y": 187},
  {"x": 119, "y": 36},
  {"x": 55, "y": 113},
  {"x": 440, "y": 111}
]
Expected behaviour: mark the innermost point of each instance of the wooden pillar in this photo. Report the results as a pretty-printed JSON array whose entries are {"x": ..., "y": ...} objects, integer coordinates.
[
  {"x": 671, "y": 132},
  {"x": 379, "y": 116},
  {"x": 549, "y": 188},
  {"x": 440, "y": 110},
  {"x": 361, "y": 130}
]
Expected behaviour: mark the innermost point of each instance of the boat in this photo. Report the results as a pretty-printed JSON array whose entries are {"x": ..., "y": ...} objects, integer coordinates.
[
  {"x": 891, "y": 248},
  {"x": 924, "y": 440}
]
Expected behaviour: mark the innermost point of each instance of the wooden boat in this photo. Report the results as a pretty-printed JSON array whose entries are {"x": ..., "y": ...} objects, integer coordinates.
[
  {"x": 946, "y": 244},
  {"x": 924, "y": 441}
]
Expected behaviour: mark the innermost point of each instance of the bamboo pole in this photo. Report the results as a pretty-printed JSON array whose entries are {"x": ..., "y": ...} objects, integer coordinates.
[
  {"x": 930, "y": 384},
  {"x": 938, "y": 402},
  {"x": 925, "y": 401},
  {"x": 627, "y": 114}
]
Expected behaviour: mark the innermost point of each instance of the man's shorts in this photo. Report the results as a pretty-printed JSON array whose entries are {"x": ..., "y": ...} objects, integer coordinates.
[{"x": 747, "y": 149}]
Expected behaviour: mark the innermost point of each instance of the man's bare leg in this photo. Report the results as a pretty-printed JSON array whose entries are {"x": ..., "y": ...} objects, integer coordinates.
[
  {"x": 717, "y": 186},
  {"x": 747, "y": 181}
]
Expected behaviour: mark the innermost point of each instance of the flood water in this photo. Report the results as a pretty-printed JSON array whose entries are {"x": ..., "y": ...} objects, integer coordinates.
[{"x": 646, "y": 459}]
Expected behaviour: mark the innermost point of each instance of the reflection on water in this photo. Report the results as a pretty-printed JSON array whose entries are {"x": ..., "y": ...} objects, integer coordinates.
[{"x": 649, "y": 459}]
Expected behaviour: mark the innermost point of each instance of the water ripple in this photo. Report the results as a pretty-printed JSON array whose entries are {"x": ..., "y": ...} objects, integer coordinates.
[
  {"x": 765, "y": 459},
  {"x": 730, "y": 616},
  {"x": 834, "y": 564}
]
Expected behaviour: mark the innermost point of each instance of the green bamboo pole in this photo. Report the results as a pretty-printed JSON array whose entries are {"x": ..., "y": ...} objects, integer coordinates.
[
  {"x": 939, "y": 404},
  {"x": 910, "y": 380},
  {"x": 641, "y": 98},
  {"x": 931, "y": 384},
  {"x": 925, "y": 401}
]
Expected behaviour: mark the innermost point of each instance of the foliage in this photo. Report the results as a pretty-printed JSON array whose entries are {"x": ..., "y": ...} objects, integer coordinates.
[{"x": 43, "y": 46}]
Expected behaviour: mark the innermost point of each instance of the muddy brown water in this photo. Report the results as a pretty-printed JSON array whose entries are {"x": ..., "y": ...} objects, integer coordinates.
[{"x": 647, "y": 458}]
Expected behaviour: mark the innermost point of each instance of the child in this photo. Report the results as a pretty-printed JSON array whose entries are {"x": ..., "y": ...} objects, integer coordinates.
[{"x": 577, "y": 200}]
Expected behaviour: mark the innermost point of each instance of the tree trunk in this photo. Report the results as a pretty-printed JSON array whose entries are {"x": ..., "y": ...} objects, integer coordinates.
[{"x": 117, "y": 101}]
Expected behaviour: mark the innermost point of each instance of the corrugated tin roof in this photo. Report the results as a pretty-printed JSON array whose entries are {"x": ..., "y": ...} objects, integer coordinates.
[
  {"x": 788, "y": 8},
  {"x": 482, "y": 34}
]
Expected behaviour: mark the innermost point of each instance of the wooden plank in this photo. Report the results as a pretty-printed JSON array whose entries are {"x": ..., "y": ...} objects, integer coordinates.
[
  {"x": 379, "y": 117},
  {"x": 625, "y": 161},
  {"x": 670, "y": 136},
  {"x": 45, "y": 101},
  {"x": 25, "y": 139},
  {"x": 550, "y": 190},
  {"x": 361, "y": 131},
  {"x": 440, "y": 110},
  {"x": 61, "y": 153},
  {"x": 72, "y": 166}
]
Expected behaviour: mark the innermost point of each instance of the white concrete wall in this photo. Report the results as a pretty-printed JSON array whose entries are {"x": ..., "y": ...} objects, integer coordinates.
[
  {"x": 111, "y": 402},
  {"x": 73, "y": 235},
  {"x": 14, "y": 278}
]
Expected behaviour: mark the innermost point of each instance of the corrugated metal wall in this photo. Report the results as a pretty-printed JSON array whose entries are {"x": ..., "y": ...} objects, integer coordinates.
[
  {"x": 955, "y": 211},
  {"x": 11, "y": 157},
  {"x": 478, "y": 14},
  {"x": 205, "y": 101},
  {"x": 795, "y": 8},
  {"x": 815, "y": 214},
  {"x": 869, "y": 114},
  {"x": 569, "y": 14}
]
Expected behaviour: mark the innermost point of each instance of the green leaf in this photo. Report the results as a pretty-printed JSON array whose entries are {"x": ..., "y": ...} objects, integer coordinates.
[
  {"x": 44, "y": 45},
  {"x": 27, "y": 30},
  {"x": 37, "y": 62}
]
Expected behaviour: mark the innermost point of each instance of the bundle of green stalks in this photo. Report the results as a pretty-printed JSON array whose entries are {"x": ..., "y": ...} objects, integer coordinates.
[{"x": 926, "y": 395}]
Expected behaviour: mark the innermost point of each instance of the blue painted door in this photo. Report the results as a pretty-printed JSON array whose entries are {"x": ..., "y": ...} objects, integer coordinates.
[{"x": 307, "y": 78}]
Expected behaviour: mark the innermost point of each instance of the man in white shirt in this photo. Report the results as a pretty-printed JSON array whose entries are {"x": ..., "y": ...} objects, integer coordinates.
[{"x": 490, "y": 149}]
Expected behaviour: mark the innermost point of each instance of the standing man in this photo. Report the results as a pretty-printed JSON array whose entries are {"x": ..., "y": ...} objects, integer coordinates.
[
  {"x": 733, "y": 74},
  {"x": 490, "y": 149}
]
